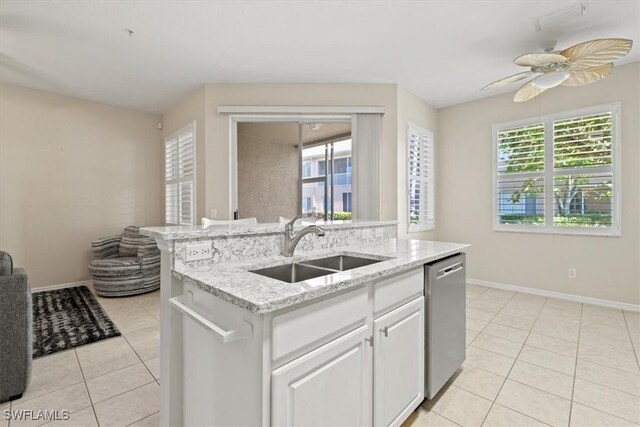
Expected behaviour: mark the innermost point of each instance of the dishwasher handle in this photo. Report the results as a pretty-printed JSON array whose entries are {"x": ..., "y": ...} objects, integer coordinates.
[{"x": 449, "y": 270}]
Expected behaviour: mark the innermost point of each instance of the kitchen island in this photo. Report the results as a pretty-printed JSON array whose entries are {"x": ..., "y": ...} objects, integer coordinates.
[{"x": 345, "y": 347}]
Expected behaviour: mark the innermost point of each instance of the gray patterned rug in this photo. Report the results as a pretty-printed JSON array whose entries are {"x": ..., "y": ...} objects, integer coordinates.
[{"x": 68, "y": 318}]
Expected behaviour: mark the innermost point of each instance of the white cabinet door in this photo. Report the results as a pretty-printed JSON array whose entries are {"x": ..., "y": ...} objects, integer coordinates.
[
  {"x": 398, "y": 363},
  {"x": 330, "y": 386}
]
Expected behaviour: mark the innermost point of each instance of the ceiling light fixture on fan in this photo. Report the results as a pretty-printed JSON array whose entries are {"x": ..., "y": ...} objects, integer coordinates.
[{"x": 578, "y": 65}]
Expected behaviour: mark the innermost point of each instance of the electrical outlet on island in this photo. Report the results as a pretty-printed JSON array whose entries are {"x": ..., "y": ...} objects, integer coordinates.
[{"x": 198, "y": 251}]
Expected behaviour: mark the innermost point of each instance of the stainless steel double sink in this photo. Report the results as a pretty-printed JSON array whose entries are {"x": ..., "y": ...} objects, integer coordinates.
[{"x": 305, "y": 270}]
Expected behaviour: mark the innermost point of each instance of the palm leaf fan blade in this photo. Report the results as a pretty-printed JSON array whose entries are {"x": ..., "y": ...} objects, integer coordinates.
[
  {"x": 508, "y": 80},
  {"x": 597, "y": 52},
  {"x": 588, "y": 76},
  {"x": 539, "y": 59},
  {"x": 528, "y": 91}
]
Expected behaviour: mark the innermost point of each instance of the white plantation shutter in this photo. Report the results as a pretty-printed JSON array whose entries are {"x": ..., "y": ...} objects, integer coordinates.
[
  {"x": 180, "y": 177},
  {"x": 520, "y": 179},
  {"x": 583, "y": 171},
  {"x": 559, "y": 173},
  {"x": 420, "y": 179}
]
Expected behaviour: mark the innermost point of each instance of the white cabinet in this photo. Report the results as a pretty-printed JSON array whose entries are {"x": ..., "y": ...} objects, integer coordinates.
[
  {"x": 371, "y": 375},
  {"x": 398, "y": 363},
  {"x": 329, "y": 386},
  {"x": 355, "y": 358}
]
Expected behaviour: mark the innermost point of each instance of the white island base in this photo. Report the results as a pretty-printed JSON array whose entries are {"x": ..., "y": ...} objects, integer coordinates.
[{"x": 352, "y": 358}]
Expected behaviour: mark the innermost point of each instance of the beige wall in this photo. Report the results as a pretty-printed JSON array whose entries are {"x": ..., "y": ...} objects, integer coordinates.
[
  {"x": 191, "y": 109},
  {"x": 217, "y": 132},
  {"x": 412, "y": 109},
  {"x": 607, "y": 267},
  {"x": 268, "y": 171},
  {"x": 71, "y": 171}
]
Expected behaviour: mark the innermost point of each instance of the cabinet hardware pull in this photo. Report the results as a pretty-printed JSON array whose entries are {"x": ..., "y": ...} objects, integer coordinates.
[
  {"x": 385, "y": 331},
  {"x": 369, "y": 340},
  {"x": 244, "y": 332}
]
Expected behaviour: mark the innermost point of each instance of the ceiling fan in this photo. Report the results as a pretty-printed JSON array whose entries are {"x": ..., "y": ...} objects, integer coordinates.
[{"x": 578, "y": 65}]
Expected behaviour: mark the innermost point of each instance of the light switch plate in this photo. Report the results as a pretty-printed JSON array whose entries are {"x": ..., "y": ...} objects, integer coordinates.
[{"x": 198, "y": 251}]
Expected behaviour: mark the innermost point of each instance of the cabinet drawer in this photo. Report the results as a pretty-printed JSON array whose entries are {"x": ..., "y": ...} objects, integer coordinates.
[
  {"x": 397, "y": 290},
  {"x": 318, "y": 322}
]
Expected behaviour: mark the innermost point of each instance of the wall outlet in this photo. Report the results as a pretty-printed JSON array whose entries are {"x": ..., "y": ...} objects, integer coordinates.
[
  {"x": 214, "y": 213},
  {"x": 199, "y": 251},
  {"x": 572, "y": 273}
]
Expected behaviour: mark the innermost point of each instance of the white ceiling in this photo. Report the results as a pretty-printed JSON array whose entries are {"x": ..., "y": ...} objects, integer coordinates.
[{"x": 443, "y": 51}]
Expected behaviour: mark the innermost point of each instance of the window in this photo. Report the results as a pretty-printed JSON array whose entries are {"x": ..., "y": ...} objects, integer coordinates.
[
  {"x": 306, "y": 169},
  {"x": 179, "y": 158},
  {"x": 420, "y": 179},
  {"x": 322, "y": 168},
  {"x": 559, "y": 173},
  {"x": 323, "y": 185},
  {"x": 346, "y": 202}
]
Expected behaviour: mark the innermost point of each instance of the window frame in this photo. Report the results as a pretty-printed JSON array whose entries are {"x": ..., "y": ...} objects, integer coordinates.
[
  {"x": 328, "y": 177},
  {"x": 428, "y": 224},
  {"x": 550, "y": 172},
  {"x": 180, "y": 180}
]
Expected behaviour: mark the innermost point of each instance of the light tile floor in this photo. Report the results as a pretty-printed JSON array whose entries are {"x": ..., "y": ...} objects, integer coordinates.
[
  {"x": 114, "y": 382},
  {"x": 534, "y": 361},
  {"x": 531, "y": 361}
]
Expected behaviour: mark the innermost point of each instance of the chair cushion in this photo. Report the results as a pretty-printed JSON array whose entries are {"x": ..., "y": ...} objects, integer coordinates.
[
  {"x": 114, "y": 267},
  {"x": 131, "y": 240},
  {"x": 6, "y": 264}
]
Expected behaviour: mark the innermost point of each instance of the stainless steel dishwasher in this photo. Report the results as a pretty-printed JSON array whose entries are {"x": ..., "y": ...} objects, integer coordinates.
[{"x": 445, "y": 298}]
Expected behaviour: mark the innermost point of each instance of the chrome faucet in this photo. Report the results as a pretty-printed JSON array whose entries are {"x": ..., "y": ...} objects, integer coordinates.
[{"x": 292, "y": 239}]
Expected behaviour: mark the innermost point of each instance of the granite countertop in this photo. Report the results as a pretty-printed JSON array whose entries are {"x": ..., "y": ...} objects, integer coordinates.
[
  {"x": 259, "y": 294},
  {"x": 179, "y": 232}
]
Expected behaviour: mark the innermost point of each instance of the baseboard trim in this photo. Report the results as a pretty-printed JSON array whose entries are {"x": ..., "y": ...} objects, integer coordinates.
[
  {"x": 61, "y": 286},
  {"x": 559, "y": 295}
]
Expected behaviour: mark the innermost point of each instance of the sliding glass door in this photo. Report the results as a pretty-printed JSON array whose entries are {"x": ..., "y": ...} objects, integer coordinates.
[{"x": 326, "y": 179}]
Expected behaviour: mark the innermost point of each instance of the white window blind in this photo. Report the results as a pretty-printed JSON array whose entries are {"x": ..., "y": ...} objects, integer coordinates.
[
  {"x": 521, "y": 175},
  {"x": 559, "y": 173},
  {"x": 180, "y": 177},
  {"x": 420, "y": 179}
]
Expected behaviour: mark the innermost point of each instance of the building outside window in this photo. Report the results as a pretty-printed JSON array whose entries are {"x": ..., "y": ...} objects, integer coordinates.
[
  {"x": 559, "y": 173},
  {"x": 320, "y": 182}
]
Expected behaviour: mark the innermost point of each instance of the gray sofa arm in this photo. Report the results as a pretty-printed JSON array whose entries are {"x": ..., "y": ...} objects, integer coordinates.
[
  {"x": 16, "y": 333},
  {"x": 106, "y": 247}
]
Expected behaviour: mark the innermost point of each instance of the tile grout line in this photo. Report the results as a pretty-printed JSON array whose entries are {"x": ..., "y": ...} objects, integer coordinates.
[
  {"x": 148, "y": 312},
  {"x": 511, "y": 368},
  {"x": 488, "y": 323},
  {"x": 633, "y": 347},
  {"x": 521, "y": 413},
  {"x": 575, "y": 366},
  {"x": 125, "y": 392},
  {"x": 146, "y": 367},
  {"x": 450, "y": 420},
  {"x": 140, "y": 359},
  {"x": 607, "y": 387},
  {"x": 141, "y": 419},
  {"x": 86, "y": 387},
  {"x": 429, "y": 410}
]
